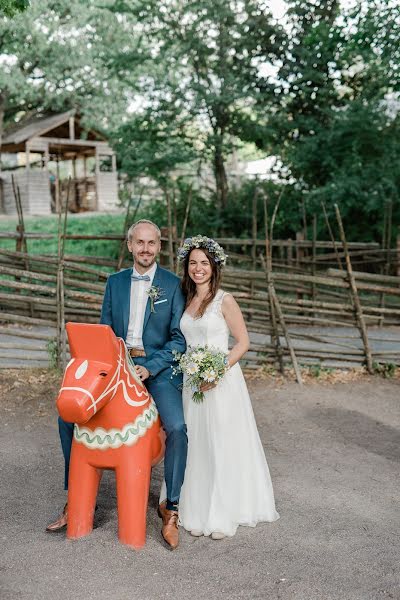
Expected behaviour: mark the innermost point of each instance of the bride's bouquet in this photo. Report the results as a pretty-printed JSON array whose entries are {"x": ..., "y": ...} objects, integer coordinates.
[{"x": 201, "y": 364}]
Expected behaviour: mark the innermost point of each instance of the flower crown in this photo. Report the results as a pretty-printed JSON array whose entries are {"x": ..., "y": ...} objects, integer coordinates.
[{"x": 201, "y": 241}]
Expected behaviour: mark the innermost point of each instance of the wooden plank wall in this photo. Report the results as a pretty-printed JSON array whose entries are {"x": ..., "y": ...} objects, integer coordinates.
[
  {"x": 107, "y": 191},
  {"x": 34, "y": 189},
  {"x": 8, "y": 195},
  {"x": 39, "y": 192}
]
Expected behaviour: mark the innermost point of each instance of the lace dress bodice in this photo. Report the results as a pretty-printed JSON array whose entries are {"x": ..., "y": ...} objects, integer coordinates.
[{"x": 210, "y": 329}]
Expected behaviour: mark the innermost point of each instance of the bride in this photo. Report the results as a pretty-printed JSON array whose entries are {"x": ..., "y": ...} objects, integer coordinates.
[{"x": 227, "y": 481}]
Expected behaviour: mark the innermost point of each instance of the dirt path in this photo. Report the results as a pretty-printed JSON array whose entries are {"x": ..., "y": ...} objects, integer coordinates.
[{"x": 334, "y": 457}]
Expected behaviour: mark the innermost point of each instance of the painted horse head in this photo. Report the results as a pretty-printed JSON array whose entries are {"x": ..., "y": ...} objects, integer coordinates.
[{"x": 99, "y": 368}]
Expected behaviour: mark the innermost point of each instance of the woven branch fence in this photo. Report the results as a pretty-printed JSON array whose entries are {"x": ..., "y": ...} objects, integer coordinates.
[
  {"x": 305, "y": 301},
  {"x": 316, "y": 314}
]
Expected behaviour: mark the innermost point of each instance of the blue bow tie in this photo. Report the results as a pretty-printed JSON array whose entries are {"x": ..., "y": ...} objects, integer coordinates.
[{"x": 140, "y": 278}]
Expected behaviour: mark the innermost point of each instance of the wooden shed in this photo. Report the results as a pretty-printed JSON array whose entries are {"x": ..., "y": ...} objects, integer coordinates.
[{"x": 47, "y": 151}]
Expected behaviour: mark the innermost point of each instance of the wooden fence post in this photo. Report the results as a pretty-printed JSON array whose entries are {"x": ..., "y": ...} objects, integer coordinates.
[
  {"x": 21, "y": 245},
  {"x": 339, "y": 262},
  {"x": 299, "y": 257},
  {"x": 187, "y": 211},
  {"x": 286, "y": 334},
  {"x": 304, "y": 218},
  {"x": 275, "y": 340},
  {"x": 386, "y": 245},
  {"x": 185, "y": 221},
  {"x": 398, "y": 255},
  {"x": 388, "y": 237},
  {"x": 61, "y": 339},
  {"x": 254, "y": 240},
  {"x": 354, "y": 293},
  {"x": 289, "y": 252},
  {"x": 314, "y": 259},
  {"x": 123, "y": 247},
  {"x": 171, "y": 257}
]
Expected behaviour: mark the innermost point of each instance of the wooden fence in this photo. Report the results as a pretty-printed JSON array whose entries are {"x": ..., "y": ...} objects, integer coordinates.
[
  {"x": 317, "y": 310},
  {"x": 305, "y": 301}
]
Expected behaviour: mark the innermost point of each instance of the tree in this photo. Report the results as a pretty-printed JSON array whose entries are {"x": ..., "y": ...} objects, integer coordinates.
[
  {"x": 203, "y": 60},
  {"x": 154, "y": 143},
  {"x": 306, "y": 89},
  {"x": 53, "y": 57},
  {"x": 365, "y": 142},
  {"x": 332, "y": 128},
  {"x": 11, "y": 7}
]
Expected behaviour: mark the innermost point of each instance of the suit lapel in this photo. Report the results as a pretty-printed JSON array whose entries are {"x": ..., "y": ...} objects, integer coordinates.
[
  {"x": 156, "y": 282},
  {"x": 126, "y": 301}
]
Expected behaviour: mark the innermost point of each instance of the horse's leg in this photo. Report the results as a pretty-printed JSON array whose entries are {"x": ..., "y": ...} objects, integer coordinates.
[
  {"x": 133, "y": 482},
  {"x": 82, "y": 491}
]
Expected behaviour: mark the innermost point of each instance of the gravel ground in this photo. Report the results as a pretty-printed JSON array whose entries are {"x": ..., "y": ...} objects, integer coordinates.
[{"x": 333, "y": 452}]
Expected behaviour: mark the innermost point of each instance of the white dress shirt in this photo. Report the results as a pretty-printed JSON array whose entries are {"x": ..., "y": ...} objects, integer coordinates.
[{"x": 138, "y": 301}]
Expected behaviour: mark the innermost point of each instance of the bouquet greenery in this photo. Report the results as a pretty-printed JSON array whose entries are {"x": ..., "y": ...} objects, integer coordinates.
[{"x": 201, "y": 364}]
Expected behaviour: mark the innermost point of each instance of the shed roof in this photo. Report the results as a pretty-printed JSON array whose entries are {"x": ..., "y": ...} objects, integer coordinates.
[
  {"x": 35, "y": 126},
  {"x": 18, "y": 134}
]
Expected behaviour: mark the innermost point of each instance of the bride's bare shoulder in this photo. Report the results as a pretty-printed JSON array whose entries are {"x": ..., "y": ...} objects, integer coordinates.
[{"x": 228, "y": 301}]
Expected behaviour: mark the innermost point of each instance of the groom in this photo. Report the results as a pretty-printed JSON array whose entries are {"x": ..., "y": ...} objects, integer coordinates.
[{"x": 144, "y": 305}]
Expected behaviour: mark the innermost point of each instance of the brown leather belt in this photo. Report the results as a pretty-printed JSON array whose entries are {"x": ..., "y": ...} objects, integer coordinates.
[{"x": 134, "y": 352}]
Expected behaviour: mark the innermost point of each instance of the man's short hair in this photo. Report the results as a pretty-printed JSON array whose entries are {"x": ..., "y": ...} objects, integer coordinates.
[{"x": 129, "y": 235}]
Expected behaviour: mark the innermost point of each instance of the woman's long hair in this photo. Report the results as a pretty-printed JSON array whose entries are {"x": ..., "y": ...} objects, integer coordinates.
[{"x": 189, "y": 286}]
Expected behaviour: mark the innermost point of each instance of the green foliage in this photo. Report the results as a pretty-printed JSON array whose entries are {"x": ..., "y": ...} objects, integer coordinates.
[
  {"x": 88, "y": 224},
  {"x": 318, "y": 371},
  {"x": 336, "y": 122},
  {"x": 10, "y": 7},
  {"x": 179, "y": 85},
  {"x": 154, "y": 144},
  {"x": 386, "y": 370},
  {"x": 205, "y": 216},
  {"x": 202, "y": 79},
  {"x": 52, "y": 352},
  {"x": 326, "y": 114},
  {"x": 53, "y": 58}
]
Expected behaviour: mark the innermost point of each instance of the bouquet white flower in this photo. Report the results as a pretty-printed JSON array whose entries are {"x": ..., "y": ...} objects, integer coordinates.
[{"x": 201, "y": 364}]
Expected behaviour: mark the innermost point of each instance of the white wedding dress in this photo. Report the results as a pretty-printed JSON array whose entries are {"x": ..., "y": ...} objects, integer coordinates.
[{"x": 227, "y": 481}]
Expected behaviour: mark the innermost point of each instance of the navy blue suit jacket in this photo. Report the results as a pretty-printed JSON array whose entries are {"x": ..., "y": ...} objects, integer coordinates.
[{"x": 161, "y": 328}]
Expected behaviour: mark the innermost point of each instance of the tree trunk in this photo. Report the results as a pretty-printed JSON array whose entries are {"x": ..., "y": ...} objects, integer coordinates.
[
  {"x": 2, "y": 110},
  {"x": 221, "y": 180}
]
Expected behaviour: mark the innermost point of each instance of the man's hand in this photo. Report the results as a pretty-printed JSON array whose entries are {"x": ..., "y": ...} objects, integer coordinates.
[{"x": 142, "y": 372}]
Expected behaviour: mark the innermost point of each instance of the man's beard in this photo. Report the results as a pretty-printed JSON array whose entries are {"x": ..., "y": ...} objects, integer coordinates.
[{"x": 145, "y": 261}]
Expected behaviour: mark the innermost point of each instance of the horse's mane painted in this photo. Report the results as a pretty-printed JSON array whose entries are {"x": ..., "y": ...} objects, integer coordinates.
[{"x": 123, "y": 379}]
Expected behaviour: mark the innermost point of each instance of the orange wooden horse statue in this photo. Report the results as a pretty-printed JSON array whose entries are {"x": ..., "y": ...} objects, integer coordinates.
[{"x": 122, "y": 431}]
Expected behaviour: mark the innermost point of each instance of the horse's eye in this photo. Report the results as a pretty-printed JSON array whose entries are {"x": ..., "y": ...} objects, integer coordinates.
[{"x": 103, "y": 374}]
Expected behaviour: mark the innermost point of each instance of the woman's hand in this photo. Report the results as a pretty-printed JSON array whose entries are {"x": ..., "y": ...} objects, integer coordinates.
[
  {"x": 206, "y": 387},
  {"x": 234, "y": 319}
]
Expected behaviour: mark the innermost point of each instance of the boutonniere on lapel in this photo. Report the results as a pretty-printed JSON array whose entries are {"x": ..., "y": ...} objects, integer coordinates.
[{"x": 154, "y": 293}]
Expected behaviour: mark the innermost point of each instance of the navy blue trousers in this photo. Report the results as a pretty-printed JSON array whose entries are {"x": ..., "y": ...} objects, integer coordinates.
[{"x": 169, "y": 404}]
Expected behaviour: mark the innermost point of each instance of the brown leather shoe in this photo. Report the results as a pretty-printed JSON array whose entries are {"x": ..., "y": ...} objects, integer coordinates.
[
  {"x": 169, "y": 529},
  {"x": 162, "y": 508},
  {"x": 61, "y": 521}
]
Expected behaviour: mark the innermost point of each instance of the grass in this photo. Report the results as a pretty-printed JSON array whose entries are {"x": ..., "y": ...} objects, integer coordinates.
[{"x": 84, "y": 224}]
